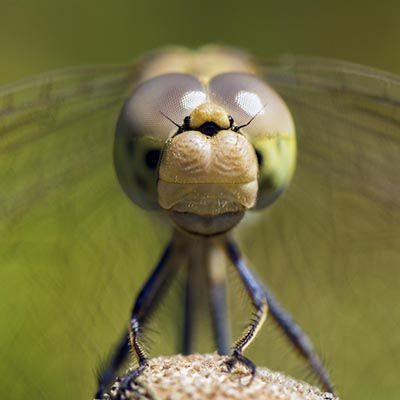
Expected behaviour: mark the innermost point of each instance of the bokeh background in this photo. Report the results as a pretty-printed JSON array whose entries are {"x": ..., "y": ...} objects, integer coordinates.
[{"x": 71, "y": 267}]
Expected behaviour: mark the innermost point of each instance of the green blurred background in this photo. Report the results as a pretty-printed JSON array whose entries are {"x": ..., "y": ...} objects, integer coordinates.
[{"x": 69, "y": 271}]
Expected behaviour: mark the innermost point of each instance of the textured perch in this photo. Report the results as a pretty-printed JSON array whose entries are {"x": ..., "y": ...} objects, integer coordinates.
[{"x": 205, "y": 377}]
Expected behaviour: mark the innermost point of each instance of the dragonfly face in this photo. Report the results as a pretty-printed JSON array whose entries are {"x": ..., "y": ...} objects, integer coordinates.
[{"x": 204, "y": 149}]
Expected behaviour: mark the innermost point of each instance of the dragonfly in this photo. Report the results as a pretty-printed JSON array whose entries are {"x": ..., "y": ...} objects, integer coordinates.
[{"x": 204, "y": 138}]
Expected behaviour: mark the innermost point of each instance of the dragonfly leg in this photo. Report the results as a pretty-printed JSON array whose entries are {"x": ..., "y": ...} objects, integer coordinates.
[
  {"x": 206, "y": 278},
  {"x": 219, "y": 315},
  {"x": 293, "y": 331},
  {"x": 299, "y": 339},
  {"x": 145, "y": 303},
  {"x": 256, "y": 293},
  {"x": 109, "y": 373}
]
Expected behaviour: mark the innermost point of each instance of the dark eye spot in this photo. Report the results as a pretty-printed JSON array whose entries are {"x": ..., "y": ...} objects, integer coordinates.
[
  {"x": 151, "y": 158},
  {"x": 260, "y": 157}
]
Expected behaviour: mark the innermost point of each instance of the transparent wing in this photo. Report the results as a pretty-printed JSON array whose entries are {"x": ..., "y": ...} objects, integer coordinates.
[
  {"x": 333, "y": 240},
  {"x": 350, "y": 116},
  {"x": 64, "y": 295},
  {"x": 37, "y": 106},
  {"x": 74, "y": 252},
  {"x": 34, "y": 115}
]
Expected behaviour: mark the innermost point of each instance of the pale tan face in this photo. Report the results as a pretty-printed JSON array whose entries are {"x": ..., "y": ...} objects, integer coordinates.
[
  {"x": 205, "y": 151},
  {"x": 211, "y": 174}
]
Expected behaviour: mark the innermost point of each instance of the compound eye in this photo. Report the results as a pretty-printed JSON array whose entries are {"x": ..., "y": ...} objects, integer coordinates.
[
  {"x": 143, "y": 127},
  {"x": 261, "y": 115},
  {"x": 244, "y": 96},
  {"x": 171, "y": 95}
]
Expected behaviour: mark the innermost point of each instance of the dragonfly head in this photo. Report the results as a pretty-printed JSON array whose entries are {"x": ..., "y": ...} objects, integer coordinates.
[{"x": 204, "y": 152}]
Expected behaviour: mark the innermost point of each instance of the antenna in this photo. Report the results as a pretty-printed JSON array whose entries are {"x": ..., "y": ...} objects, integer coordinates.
[
  {"x": 236, "y": 128},
  {"x": 171, "y": 120}
]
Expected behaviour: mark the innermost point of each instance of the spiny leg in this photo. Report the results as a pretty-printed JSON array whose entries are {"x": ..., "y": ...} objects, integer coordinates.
[
  {"x": 216, "y": 261},
  {"x": 145, "y": 304},
  {"x": 115, "y": 362},
  {"x": 293, "y": 331},
  {"x": 299, "y": 339},
  {"x": 256, "y": 293}
]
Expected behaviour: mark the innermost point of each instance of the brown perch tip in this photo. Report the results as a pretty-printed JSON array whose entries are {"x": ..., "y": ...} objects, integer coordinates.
[{"x": 201, "y": 377}]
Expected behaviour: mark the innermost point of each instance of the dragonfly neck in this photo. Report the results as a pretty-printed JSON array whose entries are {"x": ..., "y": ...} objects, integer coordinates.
[{"x": 188, "y": 240}]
